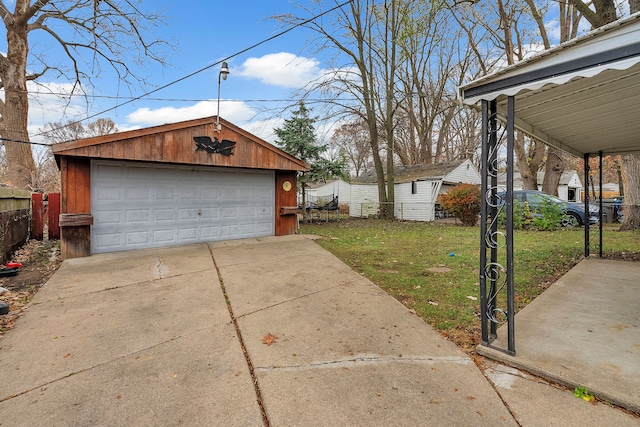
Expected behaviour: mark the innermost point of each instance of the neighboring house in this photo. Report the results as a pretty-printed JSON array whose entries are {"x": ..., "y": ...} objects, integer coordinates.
[
  {"x": 173, "y": 184},
  {"x": 569, "y": 188},
  {"x": 326, "y": 191},
  {"x": 417, "y": 188}
]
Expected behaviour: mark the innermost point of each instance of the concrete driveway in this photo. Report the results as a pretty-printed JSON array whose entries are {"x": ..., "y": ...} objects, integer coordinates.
[{"x": 176, "y": 336}]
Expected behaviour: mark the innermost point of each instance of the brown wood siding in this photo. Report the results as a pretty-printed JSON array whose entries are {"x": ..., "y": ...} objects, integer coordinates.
[
  {"x": 76, "y": 185},
  {"x": 175, "y": 144},
  {"x": 286, "y": 223}
]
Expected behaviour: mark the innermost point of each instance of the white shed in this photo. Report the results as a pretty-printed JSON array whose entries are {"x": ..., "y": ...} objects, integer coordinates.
[{"x": 417, "y": 188}]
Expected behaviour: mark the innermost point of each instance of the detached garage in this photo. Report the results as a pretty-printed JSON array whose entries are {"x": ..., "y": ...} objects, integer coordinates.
[{"x": 173, "y": 184}]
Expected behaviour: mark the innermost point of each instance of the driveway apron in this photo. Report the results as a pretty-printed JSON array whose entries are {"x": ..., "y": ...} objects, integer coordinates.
[{"x": 269, "y": 331}]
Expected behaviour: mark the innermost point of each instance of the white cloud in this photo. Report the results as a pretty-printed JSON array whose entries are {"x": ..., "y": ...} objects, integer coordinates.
[
  {"x": 264, "y": 128},
  {"x": 282, "y": 69},
  {"x": 232, "y": 111}
]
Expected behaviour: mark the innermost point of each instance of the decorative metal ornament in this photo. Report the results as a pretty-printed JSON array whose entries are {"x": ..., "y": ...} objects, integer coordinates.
[{"x": 204, "y": 143}]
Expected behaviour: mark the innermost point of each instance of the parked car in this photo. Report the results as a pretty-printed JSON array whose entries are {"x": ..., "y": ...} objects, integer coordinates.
[{"x": 575, "y": 213}]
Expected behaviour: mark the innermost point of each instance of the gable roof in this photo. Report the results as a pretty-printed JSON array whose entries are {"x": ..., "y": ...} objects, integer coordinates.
[
  {"x": 174, "y": 143},
  {"x": 581, "y": 96},
  {"x": 410, "y": 173}
]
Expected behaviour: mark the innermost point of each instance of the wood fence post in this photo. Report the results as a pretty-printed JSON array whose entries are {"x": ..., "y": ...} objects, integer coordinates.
[
  {"x": 37, "y": 220},
  {"x": 54, "y": 216}
]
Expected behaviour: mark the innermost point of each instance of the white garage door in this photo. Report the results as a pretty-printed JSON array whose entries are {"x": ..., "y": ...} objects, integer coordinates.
[{"x": 144, "y": 205}]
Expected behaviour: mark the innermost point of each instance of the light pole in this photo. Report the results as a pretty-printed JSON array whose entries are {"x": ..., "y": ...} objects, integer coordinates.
[{"x": 224, "y": 72}]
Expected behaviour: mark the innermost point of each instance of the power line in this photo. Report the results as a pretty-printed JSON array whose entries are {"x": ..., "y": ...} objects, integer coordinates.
[
  {"x": 133, "y": 99},
  {"x": 25, "y": 142}
]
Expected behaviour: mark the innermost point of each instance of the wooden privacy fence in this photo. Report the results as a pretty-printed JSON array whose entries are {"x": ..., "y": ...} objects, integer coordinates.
[
  {"x": 14, "y": 220},
  {"x": 45, "y": 209}
]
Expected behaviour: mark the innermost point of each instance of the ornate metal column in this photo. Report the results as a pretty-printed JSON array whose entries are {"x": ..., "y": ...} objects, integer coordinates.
[{"x": 496, "y": 244}]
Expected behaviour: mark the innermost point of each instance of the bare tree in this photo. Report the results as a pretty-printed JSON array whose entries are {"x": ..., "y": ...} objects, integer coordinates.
[
  {"x": 366, "y": 32},
  {"x": 605, "y": 13},
  {"x": 432, "y": 65},
  {"x": 353, "y": 140},
  {"x": 515, "y": 27},
  {"x": 46, "y": 177},
  {"x": 90, "y": 34}
]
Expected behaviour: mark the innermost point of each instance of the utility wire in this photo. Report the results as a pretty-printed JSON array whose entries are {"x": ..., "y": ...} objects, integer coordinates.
[{"x": 137, "y": 98}]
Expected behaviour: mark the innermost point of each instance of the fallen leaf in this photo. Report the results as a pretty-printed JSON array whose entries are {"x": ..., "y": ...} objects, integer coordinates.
[
  {"x": 433, "y": 303},
  {"x": 472, "y": 298},
  {"x": 269, "y": 339}
]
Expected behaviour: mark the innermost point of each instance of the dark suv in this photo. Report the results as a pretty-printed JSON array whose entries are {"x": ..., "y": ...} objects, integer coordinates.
[{"x": 575, "y": 214}]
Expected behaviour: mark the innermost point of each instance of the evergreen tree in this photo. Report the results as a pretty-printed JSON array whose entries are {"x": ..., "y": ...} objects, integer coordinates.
[{"x": 298, "y": 138}]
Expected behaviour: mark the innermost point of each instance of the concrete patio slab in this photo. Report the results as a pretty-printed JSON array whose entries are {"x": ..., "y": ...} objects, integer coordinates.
[
  {"x": 526, "y": 395},
  {"x": 583, "y": 331}
]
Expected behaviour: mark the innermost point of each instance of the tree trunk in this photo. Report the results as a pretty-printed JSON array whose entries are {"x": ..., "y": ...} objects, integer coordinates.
[
  {"x": 631, "y": 166},
  {"x": 528, "y": 167},
  {"x": 16, "y": 107},
  {"x": 553, "y": 171}
]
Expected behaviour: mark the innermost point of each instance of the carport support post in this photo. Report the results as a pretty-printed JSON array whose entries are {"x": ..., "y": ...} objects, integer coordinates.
[
  {"x": 484, "y": 319},
  {"x": 488, "y": 209},
  {"x": 599, "y": 204},
  {"x": 511, "y": 102},
  {"x": 586, "y": 205}
]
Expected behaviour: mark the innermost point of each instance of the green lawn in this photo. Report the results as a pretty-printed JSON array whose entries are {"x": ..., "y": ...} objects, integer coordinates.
[{"x": 432, "y": 268}]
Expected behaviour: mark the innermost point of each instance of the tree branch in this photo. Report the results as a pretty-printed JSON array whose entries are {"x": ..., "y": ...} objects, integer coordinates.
[
  {"x": 594, "y": 19},
  {"x": 6, "y": 16},
  {"x": 31, "y": 11}
]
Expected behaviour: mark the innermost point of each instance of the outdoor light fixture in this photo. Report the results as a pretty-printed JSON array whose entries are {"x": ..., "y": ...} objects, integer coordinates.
[{"x": 224, "y": 72}]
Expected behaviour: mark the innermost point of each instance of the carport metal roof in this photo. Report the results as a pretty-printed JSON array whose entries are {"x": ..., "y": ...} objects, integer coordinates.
[{"x": 582, "y": 96}]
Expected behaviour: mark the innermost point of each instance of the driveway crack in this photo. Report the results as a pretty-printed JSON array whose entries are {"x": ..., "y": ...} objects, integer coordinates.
[{"x": 256, "y": 386}]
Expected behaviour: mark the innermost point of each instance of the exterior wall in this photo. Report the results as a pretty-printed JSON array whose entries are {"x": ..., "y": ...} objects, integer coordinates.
[
  {"x": 75, "y": 236},
  {"x": 286, "y": 208},
  {"x": 76, "y": 185},
  {"x": 408, "y": 206},
  {"x": 364, "y": 200},
  {"x": 414, "y": 207},
  {"x": 466, "y": 173}
]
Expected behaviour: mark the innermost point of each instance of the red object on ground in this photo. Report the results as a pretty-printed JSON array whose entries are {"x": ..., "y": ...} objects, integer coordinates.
[{"x": 14, "y": 265}]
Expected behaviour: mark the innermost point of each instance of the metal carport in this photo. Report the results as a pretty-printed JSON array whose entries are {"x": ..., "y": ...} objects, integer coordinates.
[{"x": 583, "y": 97}]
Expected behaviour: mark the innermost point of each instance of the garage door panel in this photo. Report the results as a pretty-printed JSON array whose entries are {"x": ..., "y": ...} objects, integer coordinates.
[
  {"x": 164, "y": 236},
  {"x": 145, "y": 205}
]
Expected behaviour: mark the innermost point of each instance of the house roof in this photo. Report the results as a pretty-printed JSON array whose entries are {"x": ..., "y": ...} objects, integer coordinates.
[
  {"x": 412, "y": 173},
  {"x": 174, "y": 143},
  {"x": 581, "y": 96}
]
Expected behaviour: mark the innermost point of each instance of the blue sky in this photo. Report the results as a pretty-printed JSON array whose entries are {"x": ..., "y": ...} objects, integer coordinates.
[{"x": 204, "y": 32}]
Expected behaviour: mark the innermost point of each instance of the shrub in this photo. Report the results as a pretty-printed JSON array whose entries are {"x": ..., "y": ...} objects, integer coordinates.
[
  {"x": 549, "y": 215},
  {"x": 522, "y": 215},
  {"x": 463, "y": 202}
]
